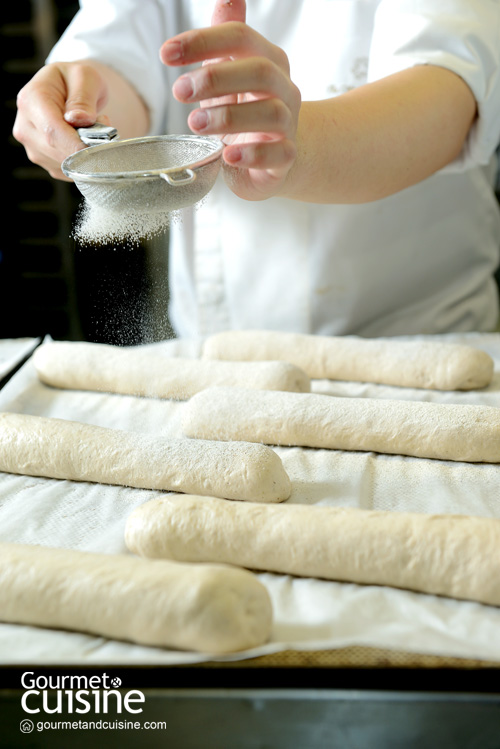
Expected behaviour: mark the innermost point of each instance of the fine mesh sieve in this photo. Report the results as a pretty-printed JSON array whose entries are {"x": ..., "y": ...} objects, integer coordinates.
[{"x": 143, "y": 175}]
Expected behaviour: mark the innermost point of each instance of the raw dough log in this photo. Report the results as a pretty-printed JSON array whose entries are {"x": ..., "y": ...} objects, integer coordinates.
[
  {"x": 417, "y": 364},
  {"x": 56, "y": 448},
  {"x": 424, "y": 430},
  {"x": 449, "y": 555},
  {"x": 96, "y": 366},
  {"x": 214, "y": 608}
]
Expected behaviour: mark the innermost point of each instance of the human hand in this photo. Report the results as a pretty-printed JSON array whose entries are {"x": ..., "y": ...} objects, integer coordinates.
[
  {"x": 247, "y": 98},
  {"x": 59, "y": 98}
]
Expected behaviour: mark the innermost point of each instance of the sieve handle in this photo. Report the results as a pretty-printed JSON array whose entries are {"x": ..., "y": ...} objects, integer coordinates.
[
  {"x": 175, "y": 181},
  {"x": 97, "y": 133}
]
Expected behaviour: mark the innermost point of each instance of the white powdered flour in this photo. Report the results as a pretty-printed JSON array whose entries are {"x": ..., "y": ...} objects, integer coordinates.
[{"x": 97, "y": 225}]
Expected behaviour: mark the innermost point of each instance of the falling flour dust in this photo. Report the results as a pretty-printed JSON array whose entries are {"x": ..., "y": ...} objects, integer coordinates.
[{"x": 96, "y": 225}]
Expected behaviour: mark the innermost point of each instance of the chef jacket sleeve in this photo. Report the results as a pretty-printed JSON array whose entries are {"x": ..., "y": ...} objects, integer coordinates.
[
  {"x": 126, "y": 35},
  {"x": 460, "y": 35}
]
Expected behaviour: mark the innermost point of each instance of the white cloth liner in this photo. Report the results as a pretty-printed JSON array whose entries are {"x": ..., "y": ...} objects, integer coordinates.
[{"x": 309, "y": 614}]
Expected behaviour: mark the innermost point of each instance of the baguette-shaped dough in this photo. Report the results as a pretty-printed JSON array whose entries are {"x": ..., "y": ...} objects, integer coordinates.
[
  {"x": 56, "y": 448},
  {"x": 417, "y": 364},
  {"x": 424, "y": 430},
  {"x": 133, "y": 371},
  {"x": 449, "y": 555},
  {"x": 209, "y": 608}
]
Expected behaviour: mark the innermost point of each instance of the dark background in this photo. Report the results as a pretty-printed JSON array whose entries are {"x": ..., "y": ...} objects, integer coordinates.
[{"x": 49, "y": 284}]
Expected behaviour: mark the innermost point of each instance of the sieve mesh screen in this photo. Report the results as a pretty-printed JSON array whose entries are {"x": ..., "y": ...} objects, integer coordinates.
[{"x": 161, "y": 173}]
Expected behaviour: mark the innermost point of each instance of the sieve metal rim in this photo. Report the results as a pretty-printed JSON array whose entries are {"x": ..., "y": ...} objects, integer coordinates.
[{"x": 215, "y": 143}]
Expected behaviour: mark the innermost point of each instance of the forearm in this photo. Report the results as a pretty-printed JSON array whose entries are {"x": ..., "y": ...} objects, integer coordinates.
[{"x": 380, "y": 138}]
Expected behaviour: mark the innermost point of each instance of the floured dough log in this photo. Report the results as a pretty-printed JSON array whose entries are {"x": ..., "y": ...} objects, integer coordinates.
[
  {"x": 449, "y": 555},
  {"x": 133, "y": 371},
  {"x": 208, "y": 608},
  {"x": 424, "y": 430},
  {"x": 60, "y": 449},
  {"x": 417, "y": 364}
]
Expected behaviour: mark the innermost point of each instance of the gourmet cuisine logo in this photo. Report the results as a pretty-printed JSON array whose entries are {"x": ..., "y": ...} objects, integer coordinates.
[{"x": 78, "y": 694}]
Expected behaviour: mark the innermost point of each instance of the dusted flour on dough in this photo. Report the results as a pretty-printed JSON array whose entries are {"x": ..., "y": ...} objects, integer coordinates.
[
  {"x": 135, "y": 371},
  {"x": 425, "y": 430},
  {"x": 56, "y": 448},
  {"x": 166, "y": 604},
  {"x": 417, "y": 364},
  {"x": 450, "y": 555}
]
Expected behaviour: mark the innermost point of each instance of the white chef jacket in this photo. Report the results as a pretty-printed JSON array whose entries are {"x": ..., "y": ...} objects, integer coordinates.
[{"x": 420, "y": 261}]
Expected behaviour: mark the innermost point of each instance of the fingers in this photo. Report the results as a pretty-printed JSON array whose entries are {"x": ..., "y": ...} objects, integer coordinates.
[
  {"x": 246, "y": 98},
  {"x": 263, "y": 156},
  {"x": 273, "y": 116},
  {"x": 229, "y": 10},
  {"x": 230, "y": 39},
  {"x": 224, "y": 12},
  {"x": 257, "y": 75},
  {"x": 58, "y": 98},
  {"x": 270, "y": 116},
  {"x": 46, "y": 137},
  {"x": 86, "y": 95}
]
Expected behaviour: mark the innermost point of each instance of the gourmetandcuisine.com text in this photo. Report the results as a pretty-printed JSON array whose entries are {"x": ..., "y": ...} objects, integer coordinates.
[{"x": 93, "y": 725}]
